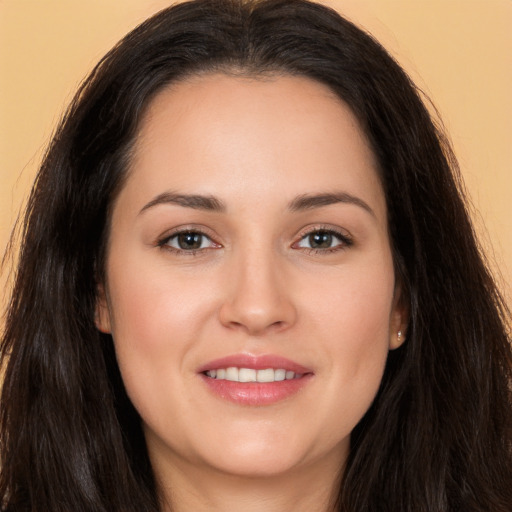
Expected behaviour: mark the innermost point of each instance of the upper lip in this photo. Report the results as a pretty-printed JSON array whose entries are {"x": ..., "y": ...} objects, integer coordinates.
[{"x": 260, "y": 362}]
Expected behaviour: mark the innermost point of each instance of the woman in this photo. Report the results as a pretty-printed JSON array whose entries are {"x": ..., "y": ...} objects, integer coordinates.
[{"x": 248, "y": 279}]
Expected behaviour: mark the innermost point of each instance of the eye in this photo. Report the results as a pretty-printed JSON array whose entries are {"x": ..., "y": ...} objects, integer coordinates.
[
  {"x": 188, "y": 241},
  {"x": 324, "y": 240}
]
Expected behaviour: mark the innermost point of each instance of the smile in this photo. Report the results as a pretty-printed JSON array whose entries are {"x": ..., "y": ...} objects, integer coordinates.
[
  {"x": 234, "y": 374},
  {"x": 250, "y": 380}
]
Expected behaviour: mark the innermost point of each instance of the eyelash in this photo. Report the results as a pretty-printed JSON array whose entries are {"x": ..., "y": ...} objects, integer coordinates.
[
  {"x": 345, "y": 241},
  {"x": 164, "y": 242}
]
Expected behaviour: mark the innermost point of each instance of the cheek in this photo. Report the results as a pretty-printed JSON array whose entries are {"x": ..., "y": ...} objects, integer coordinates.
[
  {"x": 361, "y": 319},
  {"x": 355, "y": 305},
  {"x": 352, "y": 323},
  {"x": 156, "y": 321},
  {"x": 151, "y": 307}
]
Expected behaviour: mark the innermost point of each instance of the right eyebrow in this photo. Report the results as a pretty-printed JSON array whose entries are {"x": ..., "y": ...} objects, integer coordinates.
[{"x": 195, "y": 201}]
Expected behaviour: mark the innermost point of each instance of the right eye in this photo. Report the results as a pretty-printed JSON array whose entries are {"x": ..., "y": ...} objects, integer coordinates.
[{"x": 188, "y": 241}]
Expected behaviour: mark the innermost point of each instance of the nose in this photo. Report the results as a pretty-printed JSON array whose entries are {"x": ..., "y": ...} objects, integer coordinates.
[{"x": 259, "y": 298}]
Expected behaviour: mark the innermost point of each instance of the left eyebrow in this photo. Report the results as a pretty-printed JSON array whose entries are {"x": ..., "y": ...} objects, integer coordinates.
[{"x": 309, "y": 201}]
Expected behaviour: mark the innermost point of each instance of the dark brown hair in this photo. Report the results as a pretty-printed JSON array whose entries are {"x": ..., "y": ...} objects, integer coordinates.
[{"x": 438, "y": 435}]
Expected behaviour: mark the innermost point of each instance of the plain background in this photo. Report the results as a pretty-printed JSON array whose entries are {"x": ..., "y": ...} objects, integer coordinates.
[{"x": 457, "y": 51}]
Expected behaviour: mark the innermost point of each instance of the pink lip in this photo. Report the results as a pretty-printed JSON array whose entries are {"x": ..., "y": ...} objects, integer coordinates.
[
  {"x": 255, "y": 362},
  {"x": 255, "y": 393}
]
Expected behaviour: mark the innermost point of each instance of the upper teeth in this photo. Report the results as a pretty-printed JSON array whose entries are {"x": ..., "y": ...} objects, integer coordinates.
[{"x": 251, "y": 375}]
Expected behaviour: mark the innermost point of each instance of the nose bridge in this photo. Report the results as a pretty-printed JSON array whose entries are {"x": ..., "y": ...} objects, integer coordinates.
[{"x": 258, "y": 298}]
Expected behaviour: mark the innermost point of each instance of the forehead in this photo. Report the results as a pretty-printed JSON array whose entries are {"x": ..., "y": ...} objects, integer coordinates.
[{"x": 277, "y": 136}]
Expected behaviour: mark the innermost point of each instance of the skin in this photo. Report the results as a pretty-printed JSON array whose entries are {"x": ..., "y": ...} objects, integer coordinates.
[{"x": 255, "y": 287}]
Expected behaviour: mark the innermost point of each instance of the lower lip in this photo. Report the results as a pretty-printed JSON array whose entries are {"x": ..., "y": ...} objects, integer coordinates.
[{"x": 256, "y": 393}]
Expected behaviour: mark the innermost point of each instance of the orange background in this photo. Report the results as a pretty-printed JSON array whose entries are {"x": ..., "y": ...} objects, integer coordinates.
[{"x": 457, "y": 51}]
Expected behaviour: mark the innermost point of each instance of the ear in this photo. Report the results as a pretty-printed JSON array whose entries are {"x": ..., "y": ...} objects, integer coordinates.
[
  {"x": 102, "y": 312},
  {"x": 399, "y": 320}
]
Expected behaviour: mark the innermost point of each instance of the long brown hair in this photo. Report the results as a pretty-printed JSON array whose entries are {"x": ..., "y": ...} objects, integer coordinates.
[{"x": 438, "y": 435}]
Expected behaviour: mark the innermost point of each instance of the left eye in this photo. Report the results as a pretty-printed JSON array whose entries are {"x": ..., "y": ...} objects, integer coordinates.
[
  {"x": 321, "y": 239},
  {"x": 189, "y": 241}
]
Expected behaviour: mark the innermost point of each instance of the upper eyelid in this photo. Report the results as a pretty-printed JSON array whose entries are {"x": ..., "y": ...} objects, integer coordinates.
[
  {"x": 187, "y": 228},
  {"x": 344, "y": 233}
]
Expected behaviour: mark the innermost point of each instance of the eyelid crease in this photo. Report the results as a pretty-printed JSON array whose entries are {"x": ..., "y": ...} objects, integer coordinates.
[{"x": 313, "y": 228}]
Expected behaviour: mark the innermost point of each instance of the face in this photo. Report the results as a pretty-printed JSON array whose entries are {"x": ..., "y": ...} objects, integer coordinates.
[{"x": 250, "y": 289}]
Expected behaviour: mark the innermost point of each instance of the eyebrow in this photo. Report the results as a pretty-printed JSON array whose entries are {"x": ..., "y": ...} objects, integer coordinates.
[
  {"x": 213, "y": 204},
  {"x": 310, "y": 201},
  {"x": 195, "y": 201}
]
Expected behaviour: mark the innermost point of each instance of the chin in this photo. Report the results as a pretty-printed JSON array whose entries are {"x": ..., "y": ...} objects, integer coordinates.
[
  {"x": 263, "y": 465},
  {"x": 261, "y": 457}
]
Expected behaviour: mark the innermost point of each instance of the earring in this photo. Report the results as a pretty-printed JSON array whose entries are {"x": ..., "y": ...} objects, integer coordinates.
[{"x": 399, "y": 336}]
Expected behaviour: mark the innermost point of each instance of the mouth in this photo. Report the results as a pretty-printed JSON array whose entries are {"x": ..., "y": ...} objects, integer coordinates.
[
  {"x": 234, "y": 374},
  {"x": 254, "y": 380}
]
